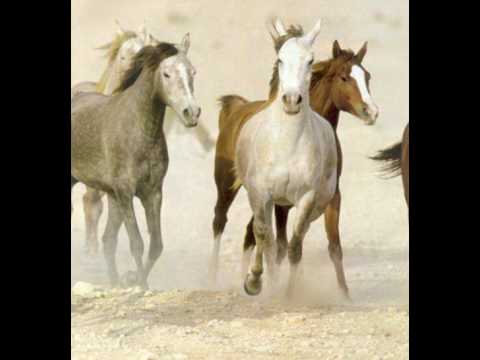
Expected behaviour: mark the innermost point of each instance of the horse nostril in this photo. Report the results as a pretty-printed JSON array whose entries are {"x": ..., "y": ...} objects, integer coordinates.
[
  {"x": 299, "y": 99},
  {"x": 186, "y": 112},
  {"x": 284, "y": 98},
  {"x": 199, "y": 112}
]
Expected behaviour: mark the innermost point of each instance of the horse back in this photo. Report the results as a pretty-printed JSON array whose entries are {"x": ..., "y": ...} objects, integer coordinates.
[
  {"x": 83, "y": 87},
  {"x": 233, "y": 122}
]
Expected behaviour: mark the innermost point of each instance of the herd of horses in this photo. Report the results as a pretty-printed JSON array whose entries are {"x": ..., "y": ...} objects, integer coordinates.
[{"x": 284, "y": 151}]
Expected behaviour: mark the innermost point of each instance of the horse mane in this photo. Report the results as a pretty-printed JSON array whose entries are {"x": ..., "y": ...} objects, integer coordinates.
[
  {"x": 329, "y": 68},
  {"x": 148, "y": 58},
  {"x": 113, "y": 47},
  {"x": 111, "y": 52}
]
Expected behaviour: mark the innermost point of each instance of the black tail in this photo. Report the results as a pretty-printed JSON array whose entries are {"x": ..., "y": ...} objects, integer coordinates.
[{"x": 392, "y": 157}]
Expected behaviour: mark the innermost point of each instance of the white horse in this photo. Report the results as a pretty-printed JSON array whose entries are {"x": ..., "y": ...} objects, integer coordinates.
[{"x": 286, "y": 155}]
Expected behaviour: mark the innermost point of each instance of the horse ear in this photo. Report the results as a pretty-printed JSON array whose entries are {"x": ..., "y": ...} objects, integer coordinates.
[
  {"x": 337, "y": 50},
  {"x": 185, "y": 44},
  {"x": 152, "y": 41},
  {"x": 312, "y": 35},
  {"x": 361, "y": 53},
  {"x": 143, "y": 33},
  {"x": 280, "y": 27},
  {"x": 120, "y": 29},
  {"x": 272, "y": 30}
]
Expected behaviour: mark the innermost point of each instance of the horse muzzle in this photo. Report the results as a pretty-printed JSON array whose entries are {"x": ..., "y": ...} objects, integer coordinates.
[
  {"x": 292, "y": 102},
  {"x": 191, "y": 115},
  {"x": 369, "y": 114}
]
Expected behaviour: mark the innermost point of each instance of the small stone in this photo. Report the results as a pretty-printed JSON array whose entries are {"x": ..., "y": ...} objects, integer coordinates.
[
  {"x": 264, "y": 349},
  {"x": 148, "y": 356},
  {"x": 177, "y": 356},
  {"x": 236, "y": 324},
  {"x": 85, "y": 289},
  {"x": 150, "y": 306},
  {"x": 296, "y": 319}
]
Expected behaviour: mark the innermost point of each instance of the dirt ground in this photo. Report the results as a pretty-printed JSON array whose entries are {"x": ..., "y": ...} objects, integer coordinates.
[{"x": 181, "y": 317}]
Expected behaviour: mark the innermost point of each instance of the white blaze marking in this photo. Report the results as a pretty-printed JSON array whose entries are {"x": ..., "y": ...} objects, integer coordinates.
[
  {"x": 359, "y": 75},
  {"x": 182, "y": 69}
]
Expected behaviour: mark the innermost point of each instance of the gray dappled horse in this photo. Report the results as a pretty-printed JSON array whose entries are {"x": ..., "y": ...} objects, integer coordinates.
[{"x": 118, "y": 146}]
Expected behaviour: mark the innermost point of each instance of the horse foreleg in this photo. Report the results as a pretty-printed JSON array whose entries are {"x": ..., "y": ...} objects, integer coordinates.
[
  {"x": 153, "y": 207},
  {"x": 125, "y": 200},
  {"x": 203, "y": 136},
  {"x": 110, "y": 238},
  {"x": 332, "y": 219},
  {"x": 262, "y": 228},
  {"x": 295, "y": 247},
  {"x": 92, "y": 208}
]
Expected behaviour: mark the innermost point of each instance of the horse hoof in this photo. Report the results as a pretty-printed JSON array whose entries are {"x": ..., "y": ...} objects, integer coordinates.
[
  {"x": 281, "y": 254},
  {"x": 91, "y": 252},
  {"x": 252, "y": 287},
  {"x": 346, "y": 298},
  {"x": 129, "y": 279}
]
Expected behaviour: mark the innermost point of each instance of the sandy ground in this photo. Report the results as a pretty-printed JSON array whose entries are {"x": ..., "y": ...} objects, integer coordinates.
[{"x": 182, "y": 317}]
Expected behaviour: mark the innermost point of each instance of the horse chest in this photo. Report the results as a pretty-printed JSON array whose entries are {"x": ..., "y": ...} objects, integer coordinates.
[
  {"x": 150, "y": 168},
  {"x": 289, "y": 178}
]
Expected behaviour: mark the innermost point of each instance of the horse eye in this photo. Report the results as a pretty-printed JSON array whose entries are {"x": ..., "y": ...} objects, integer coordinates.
[
  {"x": 310, "y": 62},
  {"x": 166, "y": 75},
  {"x": 280, "y": 62},
  {"x": 344, "y": 78}
]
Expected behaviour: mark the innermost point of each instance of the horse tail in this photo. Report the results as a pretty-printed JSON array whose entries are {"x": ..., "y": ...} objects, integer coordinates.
[
  {"x": 392, "y": 156},
  {"x": 228, "y": 104}
]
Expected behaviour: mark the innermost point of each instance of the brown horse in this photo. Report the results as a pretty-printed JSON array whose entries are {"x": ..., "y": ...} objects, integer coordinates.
[
  {"x": 336, "y": 85},
  {"x": 397, "y": 161}
]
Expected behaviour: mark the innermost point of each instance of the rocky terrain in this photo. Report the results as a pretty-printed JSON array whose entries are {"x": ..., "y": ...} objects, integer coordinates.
[{"x": 182, "y": 316}]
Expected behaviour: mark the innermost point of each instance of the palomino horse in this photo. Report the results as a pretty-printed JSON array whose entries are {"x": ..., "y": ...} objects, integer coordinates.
[
  {"x": 286, "y": 154},
  {"x": 336, "y": 85},
  {"x": 397, "y": 161},
  {"x": 120, "y": 52},
  {"x": 119, "y": 147}
]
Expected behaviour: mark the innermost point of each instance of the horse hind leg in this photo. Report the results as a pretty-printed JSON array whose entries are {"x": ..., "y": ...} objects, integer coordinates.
[
  {"x": 281, "y": 216},
  {"x": 332, "y": 219},
  {"x": 224, "y": 180},
  {"x": 93, "y": 208}
]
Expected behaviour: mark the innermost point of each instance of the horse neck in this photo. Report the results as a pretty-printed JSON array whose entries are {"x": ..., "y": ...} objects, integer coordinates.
[
  {"x": 112, "y": 79},
  {"x": 143, "y": 96},
  {"x": 322, "y": 102},
  {"x": 294, "y": 124}
]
